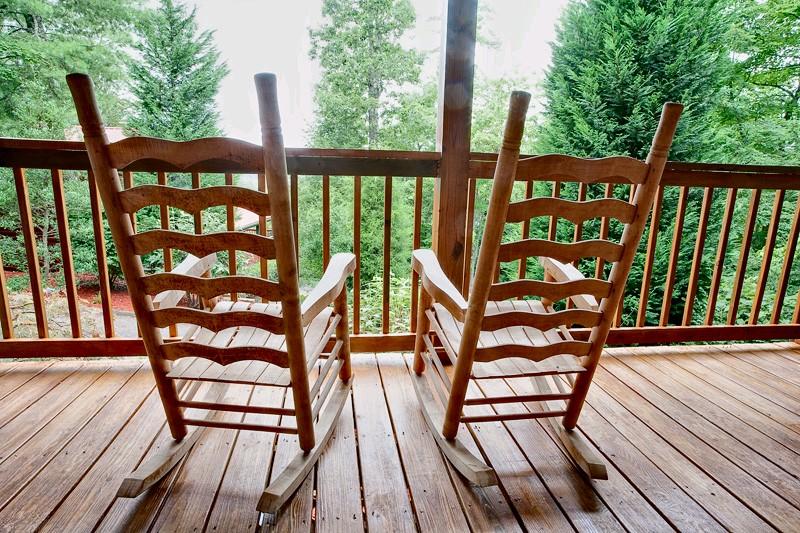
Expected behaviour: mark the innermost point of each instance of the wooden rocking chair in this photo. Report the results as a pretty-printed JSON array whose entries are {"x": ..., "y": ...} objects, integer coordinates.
[
  {"x": 275, "y": 344},
  {"x": 497, "y": 333}
]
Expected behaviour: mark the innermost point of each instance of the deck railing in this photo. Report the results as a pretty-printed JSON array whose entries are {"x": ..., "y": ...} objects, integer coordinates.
[{"x": 691, "y": 300}]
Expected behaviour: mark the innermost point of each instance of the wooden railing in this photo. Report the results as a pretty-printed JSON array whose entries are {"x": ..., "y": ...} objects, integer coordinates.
[
  {"x": 704, "y": 301},
  {"x": 354, "y": 166},
  {"x": 648, "y": 312}
]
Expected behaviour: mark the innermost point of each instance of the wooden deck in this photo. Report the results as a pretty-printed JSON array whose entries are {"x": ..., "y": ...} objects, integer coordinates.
[{"x": 696, "y": 438}]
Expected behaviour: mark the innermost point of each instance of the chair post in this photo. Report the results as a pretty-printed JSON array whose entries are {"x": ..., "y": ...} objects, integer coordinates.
[
  {"x": 504, "y": 175},
  {"x": 108, "y": 183},
  {"x": 283, "y": 233},
  {"x": 343, "y": 334},
  {"x": 423, "y": 328},
  {"x": 643, "y": 200}
]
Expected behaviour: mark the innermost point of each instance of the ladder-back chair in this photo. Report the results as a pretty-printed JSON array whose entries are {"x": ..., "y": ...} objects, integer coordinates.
[
  {"x": 275, "y": 342},
  {"x": 512, "y": 329}
]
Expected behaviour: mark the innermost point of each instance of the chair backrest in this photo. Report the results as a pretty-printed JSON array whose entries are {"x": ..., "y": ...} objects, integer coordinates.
[
  {"x": 601, "y": 294},
  {"x": 122, "y": 204}
]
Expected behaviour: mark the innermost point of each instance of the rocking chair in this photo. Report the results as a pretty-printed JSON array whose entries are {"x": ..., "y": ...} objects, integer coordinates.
[
  {"x": 512, "y": 329},
  {"x": 245, "y": 342}
]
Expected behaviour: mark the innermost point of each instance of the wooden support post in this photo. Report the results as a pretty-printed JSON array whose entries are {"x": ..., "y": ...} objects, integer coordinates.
[{"x": 453, "y": 136}]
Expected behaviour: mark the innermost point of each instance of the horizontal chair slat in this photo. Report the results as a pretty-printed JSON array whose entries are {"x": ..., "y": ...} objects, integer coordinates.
[
  {"x": 534, "y": 353},
  {"x": 224, "y": 356},
  {"x": 541, "y": 321},
  {"x": 574, "y": 211},
  {"x": 185, "y": 154},
  {"x": 257, "y": 409},
  {"x": 554, "y": 167},
  {"x": 240, "y": 425},
  {"x": 202, "y": 245},
  {"x": 211, "y": 287},
  {"x": 216, "y": 321},
  {"x": 512, "y": 416},
  {"x": 194, "y": 200},
  {"x": 520, "y": 398},
  {"x": 553, "y": 291},
  {"x": 561, "y": 251}
]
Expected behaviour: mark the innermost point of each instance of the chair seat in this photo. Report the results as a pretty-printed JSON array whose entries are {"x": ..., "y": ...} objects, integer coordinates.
[
  {"x": 247, "y": 372},
  {"x": 516, "y": 336}
]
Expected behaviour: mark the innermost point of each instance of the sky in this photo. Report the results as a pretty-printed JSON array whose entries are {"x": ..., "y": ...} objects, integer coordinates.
[{"x": 272, "y": 36}]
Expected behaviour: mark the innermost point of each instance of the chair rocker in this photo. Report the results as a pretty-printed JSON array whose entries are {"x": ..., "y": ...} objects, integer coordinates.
[
  {"x": 275, "y": 342},
  {"x": 512, "y": 329}
]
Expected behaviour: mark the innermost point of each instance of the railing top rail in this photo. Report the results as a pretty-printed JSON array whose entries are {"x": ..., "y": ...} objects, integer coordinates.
[
  {"x": 71, "y": 155},
  {"x": 686, "y": 174}
]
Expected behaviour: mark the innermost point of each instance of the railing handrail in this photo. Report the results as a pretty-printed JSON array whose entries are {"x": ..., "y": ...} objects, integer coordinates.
[{"x": 71, "y": 155}]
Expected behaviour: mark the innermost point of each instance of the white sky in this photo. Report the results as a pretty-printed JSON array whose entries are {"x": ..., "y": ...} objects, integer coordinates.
[{"x": 272, "y": 36}]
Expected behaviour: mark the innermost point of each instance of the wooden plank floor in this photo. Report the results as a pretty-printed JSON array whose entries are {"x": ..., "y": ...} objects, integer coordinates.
[{"x": 696, "y": 438}]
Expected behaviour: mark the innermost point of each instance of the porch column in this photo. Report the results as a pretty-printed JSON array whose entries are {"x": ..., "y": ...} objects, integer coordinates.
[{"x": 453, "y": 135}]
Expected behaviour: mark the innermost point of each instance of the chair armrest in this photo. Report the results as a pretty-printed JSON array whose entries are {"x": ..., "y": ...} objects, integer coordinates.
[
  {"x": 437, "y": 284},
  {"x": 329, "y": 287},
  {"x": 567, "y": 272},
  {"x": 190, "y": 266}
]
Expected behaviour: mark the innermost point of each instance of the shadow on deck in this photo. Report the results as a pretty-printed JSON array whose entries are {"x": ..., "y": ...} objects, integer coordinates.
[{"x": 696, "y": 438}]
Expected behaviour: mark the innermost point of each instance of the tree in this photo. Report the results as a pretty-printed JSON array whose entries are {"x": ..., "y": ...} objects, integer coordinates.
[
  {"x": 761, "y": 114},
  {"x": 40, "y": 42},
  {"x": 177, "y": 80},
  {"x": 365, "y": 99},
  {"x": 616, "y": 62},
  {"x": 364, "y": 68}
]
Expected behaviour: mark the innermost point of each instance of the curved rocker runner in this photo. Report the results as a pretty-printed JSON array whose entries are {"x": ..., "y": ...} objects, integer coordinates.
[
  {"x": 520, "y": 328},
  {"x": 274, "y": 342}
]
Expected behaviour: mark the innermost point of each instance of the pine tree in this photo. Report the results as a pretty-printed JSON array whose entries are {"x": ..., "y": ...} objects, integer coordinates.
[
  {"x": 363, "y": 66},
  {"x": 616, "y": 62},
  {"x": 178, "y": 77}
]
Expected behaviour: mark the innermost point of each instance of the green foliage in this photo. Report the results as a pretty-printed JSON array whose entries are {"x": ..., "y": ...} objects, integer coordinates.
[
  {"x": 42, "y": 41},
  {"x": 364, "y": 67},
  {"x": 616, "y": 62},
  {"x": 178, "y": 77}
]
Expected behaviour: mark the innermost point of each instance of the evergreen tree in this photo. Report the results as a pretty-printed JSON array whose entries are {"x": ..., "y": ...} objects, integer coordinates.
[
  {"x": 178, "y": 77},
  {"x": 363, "y": 68},
  {"x": 616, "y": 62}
]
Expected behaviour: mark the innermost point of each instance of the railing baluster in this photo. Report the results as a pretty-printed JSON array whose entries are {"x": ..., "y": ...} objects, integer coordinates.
[
  {"x": 5, "y": 309},
  {"x": 293, "y": 184},
  {"x": 326, "y": 220},
  {"x": 552, "y": 230},
  {"x": 526, "y": 231},
  {"x": 674, "y": 252},
  {"x": 469, "y": 235},
  {"x": 788, "y": 258},
  {"x": 387, "y": 250},
  {"x": 600, "y": 264},
  {"x": 163, "y": 212},
  {"x": 127, "y": 183},
  {"x": 262, "y": 226},
  {"x": 32, "y": 256},
  {"x": 414, "y": 245},
  {"x": 65, "y": 243},
  {"x": 578, "y": 235},
  {"x": 652, "y": 238},
  {"x": 697, "y": 258},
  {"x": 621, "y": 308},
  {"x": 741, "y": 267},
  {"x": 769, "y": 248},
  {"x": 722, "y": 248},
  {"x": 357, "y": 252},
  {"x": 230, "y": 219},
  {"x": 102, "y": 261}
]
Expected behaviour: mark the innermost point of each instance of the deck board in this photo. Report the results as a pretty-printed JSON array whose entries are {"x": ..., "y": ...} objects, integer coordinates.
[{"x": 696, "y": 438}]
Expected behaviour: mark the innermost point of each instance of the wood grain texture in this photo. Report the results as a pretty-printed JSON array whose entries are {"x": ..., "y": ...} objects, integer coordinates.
[{"x": 193, "y": 201}]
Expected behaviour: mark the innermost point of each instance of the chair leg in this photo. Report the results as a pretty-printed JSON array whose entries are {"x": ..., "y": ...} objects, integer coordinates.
[
  {"x": 423, "y": 328},
  {"x": 343, "y": 334}
]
